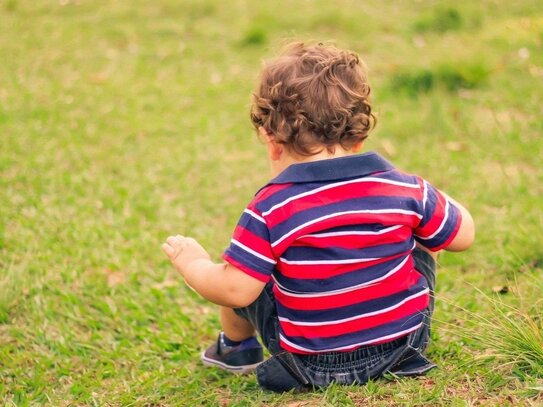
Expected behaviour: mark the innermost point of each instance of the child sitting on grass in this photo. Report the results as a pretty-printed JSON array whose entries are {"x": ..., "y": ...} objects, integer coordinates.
[{"x": 333, "y": 261}]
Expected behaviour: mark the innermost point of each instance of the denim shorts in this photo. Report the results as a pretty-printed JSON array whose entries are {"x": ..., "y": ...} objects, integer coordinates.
[{"x": 285, "y": 371}]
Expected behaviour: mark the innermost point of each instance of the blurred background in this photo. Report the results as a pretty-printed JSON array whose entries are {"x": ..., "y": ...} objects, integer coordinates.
[{"x": 122, "y": 122}]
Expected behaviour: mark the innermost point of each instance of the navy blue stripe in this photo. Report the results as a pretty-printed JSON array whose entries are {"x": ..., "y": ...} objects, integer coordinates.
[
  {"x": 321, "y": 344},
  {"x": 355, "y": 277},
  {"x": 351, "y": 166},
  {"x": 301, "y": 253},
  {"x": 366, "y": 203},
  {"x": 286, "y": 193},
  {"x": 254, "y": 225},
  {"x": 296, "y": 189},
  {"x": 447, "y": 230},
  {"x": 398, "y": 177},
  {"x": 431, "y": 203},
  {"x": 247, "y": 259},
  {"x": 364, "y": 307},
  {"x": 364, "y": 227}
]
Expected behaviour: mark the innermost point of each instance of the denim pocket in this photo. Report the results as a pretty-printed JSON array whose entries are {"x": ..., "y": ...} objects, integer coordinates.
[
  {"x": 273, "y": 345},
  {"x": 411, "y": 363},
  {"x": 281, "y": 373}
]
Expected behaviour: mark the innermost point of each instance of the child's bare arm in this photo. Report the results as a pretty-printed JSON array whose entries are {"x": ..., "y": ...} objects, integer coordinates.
[{"x": 222, "y": 284}]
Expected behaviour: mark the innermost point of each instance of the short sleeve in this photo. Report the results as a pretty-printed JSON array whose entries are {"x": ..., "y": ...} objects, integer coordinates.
[
  {"x": 250, "y": 249},
  {"x": 440, "y": 221}
]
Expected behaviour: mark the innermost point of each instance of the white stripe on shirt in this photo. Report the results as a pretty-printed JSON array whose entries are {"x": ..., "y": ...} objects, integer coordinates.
[
  {"x": 333, "y": 215},
  {"x": 254, "y": 215},
  {"x": 289, "y": 293},
  {"x": 253, "y": 252},
  {"x": 353, "y": 233},
  {"x": 360, "y": 316},
  {"x": 320, "y": 262},
  {"x": 354, "y": 345},
  {"x": 338, "y": 184},
  {"x": 424, "y": 196},
  {"x": 441, "y": 226}
]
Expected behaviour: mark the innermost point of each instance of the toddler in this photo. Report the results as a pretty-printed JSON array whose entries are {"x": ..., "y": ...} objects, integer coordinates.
[{"x": 333, "y": 261}]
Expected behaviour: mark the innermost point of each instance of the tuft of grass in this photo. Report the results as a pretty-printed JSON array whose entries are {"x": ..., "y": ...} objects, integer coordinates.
[
  {"x": 510, "y": 335},
  {"x": 449, "y": 77},
  {"x": 440, "y": 20},
  {"x": 255, "y": 36}
]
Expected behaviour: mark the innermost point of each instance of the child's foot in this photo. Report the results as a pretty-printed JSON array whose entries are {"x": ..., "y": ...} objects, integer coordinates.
[{"x": 241, "y": 359}]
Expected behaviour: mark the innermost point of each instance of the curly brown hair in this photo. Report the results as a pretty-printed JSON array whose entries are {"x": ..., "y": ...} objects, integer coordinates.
[{"x": 314, "y": 97}]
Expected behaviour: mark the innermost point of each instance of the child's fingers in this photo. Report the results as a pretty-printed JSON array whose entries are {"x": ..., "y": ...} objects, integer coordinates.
[
  {"x": 175, "y": 245},
  {"x": 169, "y": 250},
  {"x": 177, "y": 242},
  {"x": 188, "y": 240}
]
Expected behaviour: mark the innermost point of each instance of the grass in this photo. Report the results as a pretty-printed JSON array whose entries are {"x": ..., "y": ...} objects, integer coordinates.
[
  {"x": 512, "y": 335},
  {"x": 122, "y": 122}
]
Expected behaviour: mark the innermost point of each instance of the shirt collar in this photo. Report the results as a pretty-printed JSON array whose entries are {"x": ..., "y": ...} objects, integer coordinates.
[{"x": 351, "y": 166}]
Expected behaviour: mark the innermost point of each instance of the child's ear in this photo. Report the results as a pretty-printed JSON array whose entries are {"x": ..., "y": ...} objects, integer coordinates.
[{"x": 274, "y": 148}]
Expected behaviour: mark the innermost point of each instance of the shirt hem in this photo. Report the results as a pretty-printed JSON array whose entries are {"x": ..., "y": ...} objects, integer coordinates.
[
  {"x": 451, "y": 236},
  {"x": 247, "y": 270}
]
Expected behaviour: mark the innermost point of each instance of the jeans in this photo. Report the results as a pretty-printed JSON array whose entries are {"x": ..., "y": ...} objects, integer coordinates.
[{"x": 285, "y": 371}]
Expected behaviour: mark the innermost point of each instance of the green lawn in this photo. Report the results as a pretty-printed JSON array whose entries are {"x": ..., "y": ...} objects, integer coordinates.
[{"x": 122, "y": 122}]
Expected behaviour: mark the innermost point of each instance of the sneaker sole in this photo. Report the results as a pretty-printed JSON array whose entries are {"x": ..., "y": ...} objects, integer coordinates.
[{"x": 245, "y": 369}]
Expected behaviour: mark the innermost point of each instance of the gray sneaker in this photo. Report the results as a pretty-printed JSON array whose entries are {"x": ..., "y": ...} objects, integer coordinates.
[{"x": 240, "y": 359}]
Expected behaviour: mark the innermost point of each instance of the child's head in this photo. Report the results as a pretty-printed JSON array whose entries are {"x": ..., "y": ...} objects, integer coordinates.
[{"x": 314, "y": 97}]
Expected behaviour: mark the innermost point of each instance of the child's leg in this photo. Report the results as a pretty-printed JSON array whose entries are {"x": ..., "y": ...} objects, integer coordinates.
[
  {"x": 236, "y": 348},
  {"x": 239, "y": 325},
  {"x": 235, "y": 327}
]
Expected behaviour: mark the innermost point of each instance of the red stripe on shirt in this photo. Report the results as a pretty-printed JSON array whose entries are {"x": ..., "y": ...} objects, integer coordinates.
[
  {"x": 355, "y": 241},
  {"x": 339, "y": 194},
  {"x": 320, "y": 271},
  {"x": 412, "y": 306},
  {"x": 385, "y": 219},
  {"x": 452, "y": 236},
  {"x": 268, "y": 191},
  {"x": 401, "y": 280},
  {"x": 437, "y": 218},
  {"x": 255, "y": 242}
]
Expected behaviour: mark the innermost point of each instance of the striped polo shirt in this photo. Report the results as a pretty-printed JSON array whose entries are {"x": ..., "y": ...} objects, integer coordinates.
[{"x": 336, "y": 237}]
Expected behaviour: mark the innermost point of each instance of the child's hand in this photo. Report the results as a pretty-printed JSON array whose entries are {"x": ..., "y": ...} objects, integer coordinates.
[{"x": 182, "y": 251}]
